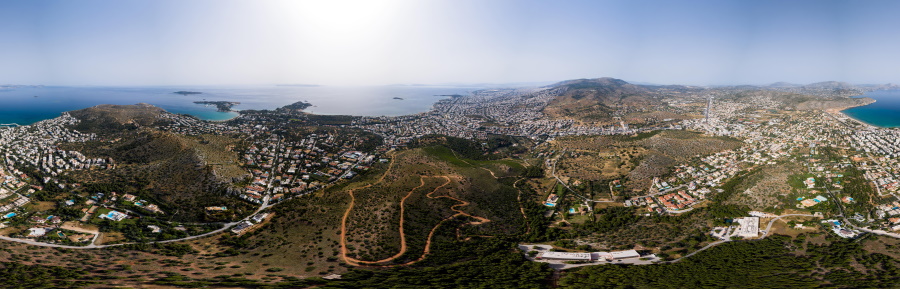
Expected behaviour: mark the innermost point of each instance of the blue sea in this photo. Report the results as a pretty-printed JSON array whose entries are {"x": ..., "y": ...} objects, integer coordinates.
[
  {"x": 885, "y": 112},
  {"x": 28, "y": 105}
]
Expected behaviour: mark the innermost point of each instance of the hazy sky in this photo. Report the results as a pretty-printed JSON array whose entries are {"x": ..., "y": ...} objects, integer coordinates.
[{"x": 335, "y": 42}]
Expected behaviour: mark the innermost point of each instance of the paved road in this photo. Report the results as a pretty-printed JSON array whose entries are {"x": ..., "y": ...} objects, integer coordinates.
[{"x": 92, "y": 246}]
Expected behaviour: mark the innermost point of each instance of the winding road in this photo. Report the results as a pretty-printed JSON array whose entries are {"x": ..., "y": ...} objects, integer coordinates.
[{"x": 403, "y": 247}]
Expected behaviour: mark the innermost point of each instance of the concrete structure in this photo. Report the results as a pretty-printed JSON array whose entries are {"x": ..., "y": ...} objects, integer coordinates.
[
  {"x": 565, "y": 256},
  {"x": 749, "y": 227},
  {"x": 618, "y": 255}
]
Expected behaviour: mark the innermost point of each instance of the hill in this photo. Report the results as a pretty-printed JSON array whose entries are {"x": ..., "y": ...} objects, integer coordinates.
[
  {"x": 401, "y": 212},
  {"x": 181, "y": 174},
  {"x": 638, "y": 158},
  {"x": 109, "y": 118},
  {"x": 595, "y": 99}
]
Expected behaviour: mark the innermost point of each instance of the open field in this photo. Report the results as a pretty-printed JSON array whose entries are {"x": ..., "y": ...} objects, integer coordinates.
[
  {"x": 768, "y": 187},
  {"x": 638, "y": 158}
]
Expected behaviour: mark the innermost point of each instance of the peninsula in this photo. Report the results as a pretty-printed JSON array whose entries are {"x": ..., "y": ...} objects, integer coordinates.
[
  {"x": 222, "y": 106},
  {"x": 300, "y": 105}
]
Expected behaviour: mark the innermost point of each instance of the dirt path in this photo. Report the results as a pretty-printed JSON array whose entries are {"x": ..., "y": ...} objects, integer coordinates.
[
  {"x": 403, "y": 247},
  {"x": 344, "y": 250},
  {"x": 519, "y": 199},
  {"x": 462, "y": 203},
  {"x": 402, "y": 233}
]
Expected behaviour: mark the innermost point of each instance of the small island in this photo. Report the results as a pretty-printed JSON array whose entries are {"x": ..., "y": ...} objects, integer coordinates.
[
  {"x": 187, "y": 92},
  {"x": 221, "y": 106},
  {"x": 398, "y": 98}
]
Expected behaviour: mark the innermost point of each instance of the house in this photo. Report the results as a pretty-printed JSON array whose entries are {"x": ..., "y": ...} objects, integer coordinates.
[
  {"x": 154, "y": 208},
  {"x": 241, "y": 227},
  {"x": 36, "y": 219},
  {"x": 259, "y": 217},
  {"x": 129, "y": 197},
  {"x": 38, "y": 232},
  {"x": 114, "y": 216}
]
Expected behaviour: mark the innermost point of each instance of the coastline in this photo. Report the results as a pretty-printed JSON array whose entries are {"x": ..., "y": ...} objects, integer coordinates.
[
  {"x": 842, "y": 113},
  {"x": 329, "y": 100}
]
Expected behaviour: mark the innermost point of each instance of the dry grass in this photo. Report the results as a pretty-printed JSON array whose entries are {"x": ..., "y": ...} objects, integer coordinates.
[
  {"x": 640, "y": 158},
  {"x": 762, "y": 189},
  {"x": 43, "y": 206},
  {"x": 109, "y": 238},
  {"x": 781, "y": 227},
  {"x": 883, "y": 245}
]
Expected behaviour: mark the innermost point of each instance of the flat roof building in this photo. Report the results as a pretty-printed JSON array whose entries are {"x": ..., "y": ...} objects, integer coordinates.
[
  {"x": 624, "y": 254},
  {"x": 566, "y": 256},
  {"x": 749, "y": 227}
]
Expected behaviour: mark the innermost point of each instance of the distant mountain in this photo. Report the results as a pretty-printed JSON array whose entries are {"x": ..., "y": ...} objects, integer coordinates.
[
  {"x": 830, "y": 85},
  {"x": 596, "y": 99},
  {"x": 600, "y": 100},
  {"x": 888, "y": 86},
  {"x": 783, "y": 84}
]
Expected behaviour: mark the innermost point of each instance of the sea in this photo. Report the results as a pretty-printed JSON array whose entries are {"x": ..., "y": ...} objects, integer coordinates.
[
  {"x": 885, "y": 112},
  {"x": 27, "y": 105}
]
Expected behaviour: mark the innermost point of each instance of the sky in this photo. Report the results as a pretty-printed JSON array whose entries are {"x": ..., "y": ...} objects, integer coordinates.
[{"x": 373, "y": 42}]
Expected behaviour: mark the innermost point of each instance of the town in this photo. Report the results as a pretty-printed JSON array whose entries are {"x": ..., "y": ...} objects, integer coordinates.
[{"x": 283, "y": 161}]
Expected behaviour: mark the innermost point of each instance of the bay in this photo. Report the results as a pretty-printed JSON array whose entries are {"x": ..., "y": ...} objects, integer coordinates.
[
  {"x": 885, "y": 112},
  {"x": 26, "y": 105}
]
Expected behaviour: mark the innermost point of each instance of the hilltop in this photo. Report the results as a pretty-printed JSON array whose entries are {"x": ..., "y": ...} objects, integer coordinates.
[
  {"x": 596, "y": 99},
  {"x": 109, "y": 118},
  {"x": 182, "y": 174}
]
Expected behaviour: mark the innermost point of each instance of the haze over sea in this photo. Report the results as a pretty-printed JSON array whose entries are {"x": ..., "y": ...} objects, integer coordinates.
[
  {"x": 885, "y": 112},
  {"x": 20, "y": 106}
]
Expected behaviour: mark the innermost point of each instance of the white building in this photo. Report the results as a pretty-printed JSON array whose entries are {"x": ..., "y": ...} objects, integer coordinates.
[
  {"x": 617, "y": 255},
  {"x": 566, "y": 256},
  {"x": 749, "y": 227},
  {"x": 37, "y": 232}
]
